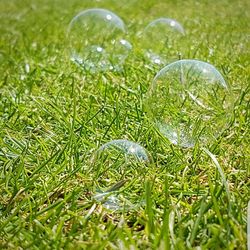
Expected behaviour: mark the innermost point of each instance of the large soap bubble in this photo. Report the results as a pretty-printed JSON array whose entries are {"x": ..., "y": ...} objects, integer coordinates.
[
  {"x": 118, "y": 170},
  {"x": 97, "y": 40},
  {"x": 189, "y": 101},
  {"x": 162, "y": 40}
]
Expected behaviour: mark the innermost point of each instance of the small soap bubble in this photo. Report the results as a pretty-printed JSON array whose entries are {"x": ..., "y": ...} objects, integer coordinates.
[
  {"x": 97, "y": 40},
  {"x": 189, "y": 102},
  {"x": 118, "y": 169},
  {"x": 161, "y": 41}
]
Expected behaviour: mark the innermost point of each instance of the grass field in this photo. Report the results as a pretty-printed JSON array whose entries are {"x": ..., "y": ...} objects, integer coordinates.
[{"x": 53, "y": 116}]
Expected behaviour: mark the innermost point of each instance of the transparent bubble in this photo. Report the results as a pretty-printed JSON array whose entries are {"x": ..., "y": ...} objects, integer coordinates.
[
  {"x": 189, "y": 102},
  {"x": 97, "y": 40},
  {"x": 162, "y": 40},
  {"x": 118, "y": 170}
]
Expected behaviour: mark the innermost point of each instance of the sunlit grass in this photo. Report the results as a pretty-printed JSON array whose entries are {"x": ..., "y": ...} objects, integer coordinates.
[{"x": 53, "y": 116}]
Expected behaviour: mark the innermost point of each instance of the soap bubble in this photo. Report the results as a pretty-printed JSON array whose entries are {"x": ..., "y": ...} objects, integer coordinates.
[
  {"x": 118, "y": 170},
  {"x": 97, "y": 40},
  {"x": 162, "y": 39},
  {"x": 189, "y": 101}
]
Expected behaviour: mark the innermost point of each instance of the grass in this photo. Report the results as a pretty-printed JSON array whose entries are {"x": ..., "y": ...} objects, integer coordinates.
[{"x": 54, "y": 116}]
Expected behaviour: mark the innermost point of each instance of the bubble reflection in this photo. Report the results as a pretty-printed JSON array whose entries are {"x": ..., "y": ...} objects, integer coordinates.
[{"x": 119, "y": 168}]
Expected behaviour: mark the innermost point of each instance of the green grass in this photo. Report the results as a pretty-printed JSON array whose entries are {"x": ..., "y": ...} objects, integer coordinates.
[{"x": 53, "y": 117}]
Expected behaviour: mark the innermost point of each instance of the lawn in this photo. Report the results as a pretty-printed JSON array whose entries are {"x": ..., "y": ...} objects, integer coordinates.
[{"x": 54, "y": 116}]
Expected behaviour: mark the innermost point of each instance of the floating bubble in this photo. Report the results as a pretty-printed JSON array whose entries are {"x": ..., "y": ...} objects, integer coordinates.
[
  {"x": 162, "y": 39},
  {"x": 189, "y": 101},
  {"x": 118, "y": 169},
  {"x": 97, "y": 40}
]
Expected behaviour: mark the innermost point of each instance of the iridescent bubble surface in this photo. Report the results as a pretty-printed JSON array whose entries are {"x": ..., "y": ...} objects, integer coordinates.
[
  {"x": 162, "y": 41},
  {"x": 189, "y": 102},
  {"x": 97, "y": 40},
  {"x": 118, "y": 170}
]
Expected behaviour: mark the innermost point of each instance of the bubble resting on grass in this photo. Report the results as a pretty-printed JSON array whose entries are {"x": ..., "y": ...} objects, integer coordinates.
[
  {"x": 97, "y": 40},
  {"x": 189, "y": 102},
  {"x": 118, "y": 169},
  {"x": 161, "y": 40}
]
